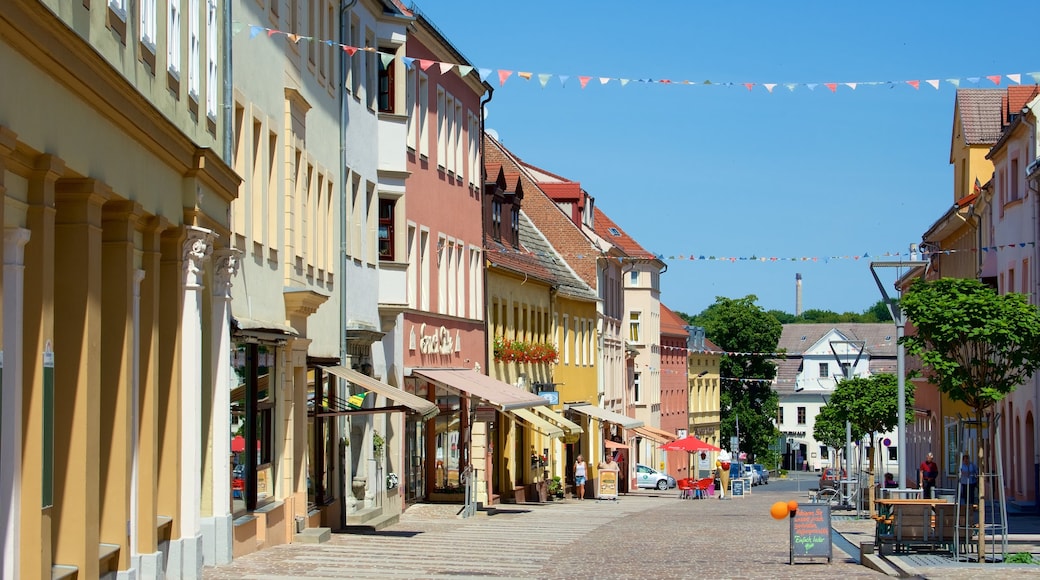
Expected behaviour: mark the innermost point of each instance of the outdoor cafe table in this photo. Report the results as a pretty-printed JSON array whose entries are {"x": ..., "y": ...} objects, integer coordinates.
[{"x": 886, "y": 510}]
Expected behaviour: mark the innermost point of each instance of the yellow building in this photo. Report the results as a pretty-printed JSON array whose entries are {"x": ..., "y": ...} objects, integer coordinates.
[
  {"x": 116, "y": 192},
  {"x": 704, "y": 390}
]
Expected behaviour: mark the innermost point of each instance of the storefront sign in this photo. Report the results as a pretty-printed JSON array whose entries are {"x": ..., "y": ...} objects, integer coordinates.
[{"x": 552, "y": 396}]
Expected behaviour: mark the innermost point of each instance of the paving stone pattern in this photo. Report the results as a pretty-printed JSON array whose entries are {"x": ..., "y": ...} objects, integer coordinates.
[{"x": 642, "y": 535}]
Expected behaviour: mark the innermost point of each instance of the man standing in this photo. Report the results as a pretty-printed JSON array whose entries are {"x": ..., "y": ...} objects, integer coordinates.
[
  {"x": 929, "y": 473},
  {"x": 969, "y": 480}
]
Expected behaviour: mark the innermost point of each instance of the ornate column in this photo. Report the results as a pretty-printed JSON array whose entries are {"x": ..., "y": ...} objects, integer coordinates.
[
  {"x": 217, "y": 528},
  {"x": 197, "y": 248},
  {"x": 11, "y": 437}
]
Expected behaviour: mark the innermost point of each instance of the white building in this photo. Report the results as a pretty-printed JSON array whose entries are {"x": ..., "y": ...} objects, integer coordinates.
[{"x": 817, "y": 356}]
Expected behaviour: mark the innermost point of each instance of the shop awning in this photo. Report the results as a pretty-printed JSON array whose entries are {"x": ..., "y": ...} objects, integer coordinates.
[
  {"x": 654, "y": 434},
  {"x": 409, "y": 401},
  {"x": 541, "y": 425},
  {"x": 605, "y": 415},
  {"x": 614, "y": 444},
  {"x": 572, "y": 429},
  {"x": 502, "y": 395}
]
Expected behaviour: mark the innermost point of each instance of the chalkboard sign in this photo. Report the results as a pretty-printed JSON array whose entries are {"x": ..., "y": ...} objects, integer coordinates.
[
  {"x": 811, "y": 532},
  {"x": 737, "y": 487}
]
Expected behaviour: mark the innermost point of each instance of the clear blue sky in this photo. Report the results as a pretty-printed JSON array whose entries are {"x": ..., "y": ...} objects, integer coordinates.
[{"x": 714, "y": 170}]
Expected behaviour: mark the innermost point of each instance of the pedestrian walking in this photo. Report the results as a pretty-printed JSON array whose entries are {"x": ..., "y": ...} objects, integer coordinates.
[{"x": 579, "y": 476}]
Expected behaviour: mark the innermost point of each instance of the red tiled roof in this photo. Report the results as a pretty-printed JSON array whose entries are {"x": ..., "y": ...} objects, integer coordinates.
[
  {"x": 671, "y": 323},
  {"x": 622, "y": 240},
  {"x": 709, "y": 345},
  {"x": 561, "y": 190},
  {"x": 565, "y": 236},
  {"x": 1015, "y": 100}
]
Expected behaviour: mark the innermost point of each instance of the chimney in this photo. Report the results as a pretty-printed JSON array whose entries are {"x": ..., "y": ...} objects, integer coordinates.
[{"x": 797, "y": 294}]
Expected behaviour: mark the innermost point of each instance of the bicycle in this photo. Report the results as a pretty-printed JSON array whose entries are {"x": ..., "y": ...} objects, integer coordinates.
[{"x": 834, "y": 497}]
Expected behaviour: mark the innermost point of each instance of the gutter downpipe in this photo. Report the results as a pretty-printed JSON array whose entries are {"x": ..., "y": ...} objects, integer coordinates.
[
  {"x": 475, "y": 494},
  {"x": 340, "y": 470}
]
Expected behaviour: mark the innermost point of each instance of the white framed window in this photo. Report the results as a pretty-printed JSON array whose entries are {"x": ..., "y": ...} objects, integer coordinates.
[
  {"x": 442, "y": 274},
  {"x": 452, "y": 276},
  {"x": 354, "y": 39},
  {"x": 460, "y": 279},
  {"x": 148, "y": 23},
  {"x": 211, "y": 60},
  {"x": 634, "y": 319},
  {"x": 194, "y": 49},
  {"x": 441, "y": 134},
  {"x": 457, "y": 140},
  {"x": 637, "y": 391},
  {"x": 449, "y": 137},
  {"x": 473, "y": 174},
  {"x": 173, "y": 38},
  {"x": 825, "y": 370},
  {"x": 566, "y": 341},
  {"x": 424, "y": 269},
  {"x": 633, "y": 277},
  {"x": 413, "y": 266},
  {"x": 424, "y": 115},
  {"x": 410, "y": 88},
  {"x": 371, "y": 70}
]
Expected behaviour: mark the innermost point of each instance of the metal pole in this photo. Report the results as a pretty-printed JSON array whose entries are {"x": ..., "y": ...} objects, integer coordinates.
[{"x": 901, "y": 382}]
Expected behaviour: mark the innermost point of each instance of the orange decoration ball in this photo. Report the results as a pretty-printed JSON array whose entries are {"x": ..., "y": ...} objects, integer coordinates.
[
  {"x": 779, "y": 510},
  {"x": 792, "y": 505}
]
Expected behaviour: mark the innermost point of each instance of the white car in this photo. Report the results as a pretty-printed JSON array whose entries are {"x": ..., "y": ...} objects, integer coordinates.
[
  {"x": 650, "y": 478},
  {"x": 751, "y": 475}
]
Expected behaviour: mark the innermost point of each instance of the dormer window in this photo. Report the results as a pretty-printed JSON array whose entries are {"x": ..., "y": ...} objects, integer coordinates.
[
  {"x": 614, "y": 232},
  {"x": 496, "y": 219},
  {"x": 516, "y": 226}
]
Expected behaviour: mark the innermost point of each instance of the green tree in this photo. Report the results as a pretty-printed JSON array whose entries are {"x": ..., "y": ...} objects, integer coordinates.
[
  {"x": 741, "y": 326},
  {"x": 877, "y": 313},
  {"x": 978, "y": 344},
  {"x": 870, "y": 404}
]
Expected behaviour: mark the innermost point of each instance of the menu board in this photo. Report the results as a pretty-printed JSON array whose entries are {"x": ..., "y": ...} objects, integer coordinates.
[
  {"x": 608, "y": 484},
  {"x": 811, "y": 532},
  {"x": 737, "y": 487}
]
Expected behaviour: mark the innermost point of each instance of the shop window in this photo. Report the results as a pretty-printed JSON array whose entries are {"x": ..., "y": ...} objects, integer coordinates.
[{"x": 252, "y": 420}]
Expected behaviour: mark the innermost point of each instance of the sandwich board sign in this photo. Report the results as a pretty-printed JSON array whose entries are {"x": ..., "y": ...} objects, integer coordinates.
[
  {"x": 608, "y": 484},
  {"x": 811, "y": 532}
]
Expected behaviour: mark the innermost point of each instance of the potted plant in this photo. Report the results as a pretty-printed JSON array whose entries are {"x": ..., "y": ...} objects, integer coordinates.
[{"x": 556, "y": 487}]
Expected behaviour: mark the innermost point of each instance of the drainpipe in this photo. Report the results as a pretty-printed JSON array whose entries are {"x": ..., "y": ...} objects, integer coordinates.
[
  {"x": 229, "y": 108},
  {"x": 483, "y": 223}
]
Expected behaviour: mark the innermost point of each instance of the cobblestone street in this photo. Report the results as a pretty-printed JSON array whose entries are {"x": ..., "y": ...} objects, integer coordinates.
[{"x": 649, "y": 535}]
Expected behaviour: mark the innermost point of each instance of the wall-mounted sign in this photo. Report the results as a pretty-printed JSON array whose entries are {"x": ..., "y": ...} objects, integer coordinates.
[{"x": 552, "y": 396}]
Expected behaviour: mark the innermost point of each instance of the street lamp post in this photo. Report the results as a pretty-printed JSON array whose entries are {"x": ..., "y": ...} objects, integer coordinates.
[{"x": 914, "y": 266}]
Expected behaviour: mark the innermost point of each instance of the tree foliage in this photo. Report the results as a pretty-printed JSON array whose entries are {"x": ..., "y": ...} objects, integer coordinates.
[
  {"x": 741, "y": 326},
  {"x": 871, "y": 404},
  {"x": 980, "y": 345}
]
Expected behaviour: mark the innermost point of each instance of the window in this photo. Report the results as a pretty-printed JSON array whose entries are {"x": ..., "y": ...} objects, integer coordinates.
[
  {"x": 779, "y": 415},
  {"x": 633, "y": 278},
  {"x": 801, "y": 415},
  {"x": 173, "y": 39},
  {"x": 354, "y": 74},
  {"x": 516, "y": 226},
  {"x": 893, "y": 455},
  {"x": 371, "y": 71},
  {"x": 409, "y": 90},
  {"x": 442, "y": 119},
  {"x": 424, "y": 114},
  {"x": 386, "y": 229},
  {"x": 496, "y": 219},
  {"x": 252, "y": 415},
  {"x": 633, "y": 326},
  {"x": 386, "y": 83},
  {"x": 211, "y": 60},
  {"x": 825, "y": 370},
  {"x": 1013, "y": 181},
  {"x": 824, "y": 452},
  {"x": 148, "y": 25},
  {"x": 635, "y": 388},
  {"x": 194, "y": 50},
  {"x": 413, "y": 267}
]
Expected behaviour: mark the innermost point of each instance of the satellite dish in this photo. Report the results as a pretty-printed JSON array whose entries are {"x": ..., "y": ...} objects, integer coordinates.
[{"x": 493, "y": 134}]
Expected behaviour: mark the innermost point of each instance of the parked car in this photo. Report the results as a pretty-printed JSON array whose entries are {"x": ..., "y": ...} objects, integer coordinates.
[
  {"x": 650, "y": 478},
  {"x": 829, "y": 477},
  {"x": 763, "y": 473},
  {"x": 751, "y": 475},
  {"x": 736, "y": 470}
]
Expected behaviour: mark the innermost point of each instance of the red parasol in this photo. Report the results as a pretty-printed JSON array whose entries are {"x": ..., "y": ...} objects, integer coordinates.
[{"x": 690, "y": 444}]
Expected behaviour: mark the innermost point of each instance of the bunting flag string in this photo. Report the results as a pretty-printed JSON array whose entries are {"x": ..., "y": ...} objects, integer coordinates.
[
  {"x": 504, "y": 75},
  {"x": 692, "y": 257}
]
